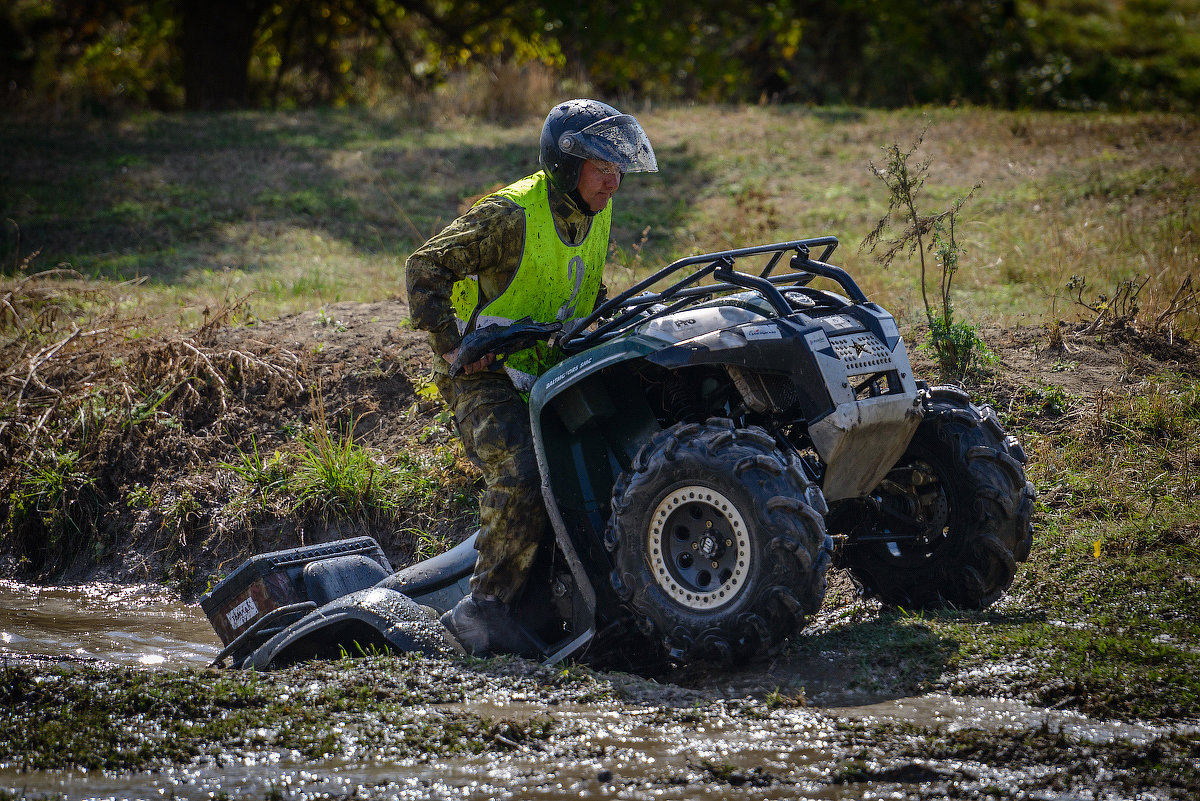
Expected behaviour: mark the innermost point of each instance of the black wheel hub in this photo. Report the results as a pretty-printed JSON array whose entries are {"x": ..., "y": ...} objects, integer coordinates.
[
  {"x": 701, "y": 553},
  {"x": 916, "y": 509},
  {"x": 699, "y": 548}
]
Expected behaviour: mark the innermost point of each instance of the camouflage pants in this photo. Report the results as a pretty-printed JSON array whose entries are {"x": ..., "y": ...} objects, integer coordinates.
[{"x": 493, "y": 421}]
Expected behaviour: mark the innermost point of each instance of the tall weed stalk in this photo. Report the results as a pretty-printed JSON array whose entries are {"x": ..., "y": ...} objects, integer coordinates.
[{"x": 956, "y": 344}]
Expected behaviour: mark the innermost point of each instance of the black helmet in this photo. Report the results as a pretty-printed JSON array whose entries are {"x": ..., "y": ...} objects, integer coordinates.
[{"x": 578, "y": 130}]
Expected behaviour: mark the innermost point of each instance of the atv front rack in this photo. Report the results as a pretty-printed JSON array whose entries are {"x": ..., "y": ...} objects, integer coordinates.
[{"x": 638, "y": 304}]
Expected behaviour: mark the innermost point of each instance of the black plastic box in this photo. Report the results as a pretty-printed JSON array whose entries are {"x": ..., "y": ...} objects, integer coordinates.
[{"x": 272, "y": 581}]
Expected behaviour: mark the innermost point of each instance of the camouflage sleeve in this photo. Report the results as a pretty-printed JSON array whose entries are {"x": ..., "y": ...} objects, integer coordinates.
[{"x": 487, "y": 241}]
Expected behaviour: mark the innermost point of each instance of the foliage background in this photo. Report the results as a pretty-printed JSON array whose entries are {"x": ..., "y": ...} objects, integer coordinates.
[{"x": 104, "y": 56}]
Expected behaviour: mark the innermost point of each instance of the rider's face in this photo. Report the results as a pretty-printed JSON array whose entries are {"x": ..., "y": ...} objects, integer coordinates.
[{"x": 598, "y": 182}]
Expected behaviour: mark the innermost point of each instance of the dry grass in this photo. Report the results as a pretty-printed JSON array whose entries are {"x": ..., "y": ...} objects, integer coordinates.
[
  {"x": 297, "y": 210},
  {"x": 87, "y": 394},
  {"x": 1106, "y": 197},
  {"x": 502, "y": 91},
  {"x": 78, "y": 389}
]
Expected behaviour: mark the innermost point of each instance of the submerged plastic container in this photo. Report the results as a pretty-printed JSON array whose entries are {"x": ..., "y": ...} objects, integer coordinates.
[{"x": 281, "y": 585}]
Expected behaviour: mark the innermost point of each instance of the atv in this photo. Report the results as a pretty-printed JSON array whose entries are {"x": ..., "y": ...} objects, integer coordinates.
[{"x": 714, "y": 439}]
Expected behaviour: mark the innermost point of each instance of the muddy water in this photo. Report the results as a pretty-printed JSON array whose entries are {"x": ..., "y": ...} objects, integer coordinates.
[
  {"x": 714, "y": 749},
  {"x": 605, "y": 752},
  {"x": 131, "y": 625},
  {"x": 949, "y": 713}
]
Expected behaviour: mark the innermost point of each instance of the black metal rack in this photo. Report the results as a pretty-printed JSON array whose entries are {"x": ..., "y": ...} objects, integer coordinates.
[{"x": 636, "y": 304}]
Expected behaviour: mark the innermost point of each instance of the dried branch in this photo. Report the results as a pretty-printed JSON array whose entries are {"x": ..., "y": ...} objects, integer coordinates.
[{"x": 1186, "y": 300}]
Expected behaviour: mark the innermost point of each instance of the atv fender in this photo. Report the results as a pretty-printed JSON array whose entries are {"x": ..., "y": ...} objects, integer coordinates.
[
  {"x": 440, "y": 582},
  {"x": 363, "y": 622}
]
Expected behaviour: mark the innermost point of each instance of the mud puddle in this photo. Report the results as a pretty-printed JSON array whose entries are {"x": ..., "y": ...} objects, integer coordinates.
[
  {"x": 520, "y": 731},
  {"x": 606, "y": 750},
  {"x": 128, "y": 625},
  {"x": 600, "y": 754},
  {"x": 951, "y": 714}
]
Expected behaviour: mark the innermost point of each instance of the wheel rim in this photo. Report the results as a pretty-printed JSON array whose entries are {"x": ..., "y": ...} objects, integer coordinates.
[{"x": 699, "y": 547}]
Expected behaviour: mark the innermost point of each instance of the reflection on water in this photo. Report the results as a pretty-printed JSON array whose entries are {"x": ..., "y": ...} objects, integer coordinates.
[
  {"x": 131, "y": 625},
  {"x": 601, "y": 750},
  {"x": 608, "y": 750},
  {"x": 604, "y": 749},
  {"x": 951, "y": 713}
]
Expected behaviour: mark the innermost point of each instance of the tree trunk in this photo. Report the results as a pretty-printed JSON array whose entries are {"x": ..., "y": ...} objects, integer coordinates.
[{"x": 216, "y": 39}]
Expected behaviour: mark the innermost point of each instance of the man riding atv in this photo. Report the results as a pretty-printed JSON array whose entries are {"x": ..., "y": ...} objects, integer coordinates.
[
  {"x": 534, "y": 249},
  {"x": 704, "y": 445}
]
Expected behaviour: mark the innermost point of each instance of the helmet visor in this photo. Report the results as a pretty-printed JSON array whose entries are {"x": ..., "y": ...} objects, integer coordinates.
[{"x": 619, "y": 140}]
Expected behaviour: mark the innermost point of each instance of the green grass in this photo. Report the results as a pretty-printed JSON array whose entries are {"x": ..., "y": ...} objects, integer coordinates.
[
  {"x": 57, "y": 499},
  {"x": 334, "y": 476},
  {"x": 325, "y": 474},
  {"x": 1103, "y": 617},
  {"x": 299, "y": 209}
]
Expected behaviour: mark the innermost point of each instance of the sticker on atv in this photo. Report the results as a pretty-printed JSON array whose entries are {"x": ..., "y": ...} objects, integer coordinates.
[
  {"x": 757, "y": 332},
  {"x": 838, "y": 322},
  {"x": 817, "y": 341},
  {"x": 241, "y": 614}
]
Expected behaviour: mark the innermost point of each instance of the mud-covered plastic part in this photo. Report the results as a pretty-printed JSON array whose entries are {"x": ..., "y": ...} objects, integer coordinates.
[
  {"x": 961, "y": 485},
  {"x": 370, "y": 621},
  {"x": 719, "y": 542},
  {"x": 332, "y": 578},
  {"x": 440, "y": 581}
]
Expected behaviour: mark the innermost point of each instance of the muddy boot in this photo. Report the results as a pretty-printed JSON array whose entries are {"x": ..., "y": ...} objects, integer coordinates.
[{"x": 485, "y": 627}]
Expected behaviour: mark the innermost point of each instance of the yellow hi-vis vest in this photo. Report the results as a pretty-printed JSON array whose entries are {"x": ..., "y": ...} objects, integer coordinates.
[{"x": 554, "y": 281}]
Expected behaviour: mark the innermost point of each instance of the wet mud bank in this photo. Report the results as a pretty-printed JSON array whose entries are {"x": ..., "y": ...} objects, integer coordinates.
[
  {"x": 106, "y": 694},
  {"x": 410, "y": 727}
]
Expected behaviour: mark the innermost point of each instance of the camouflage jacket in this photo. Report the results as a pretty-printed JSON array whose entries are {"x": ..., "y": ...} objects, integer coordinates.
[{"x": 487, "y": 241}]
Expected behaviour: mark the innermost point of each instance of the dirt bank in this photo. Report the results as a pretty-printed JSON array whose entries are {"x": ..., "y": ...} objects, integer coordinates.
[{"x": 161, "y": 423}]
